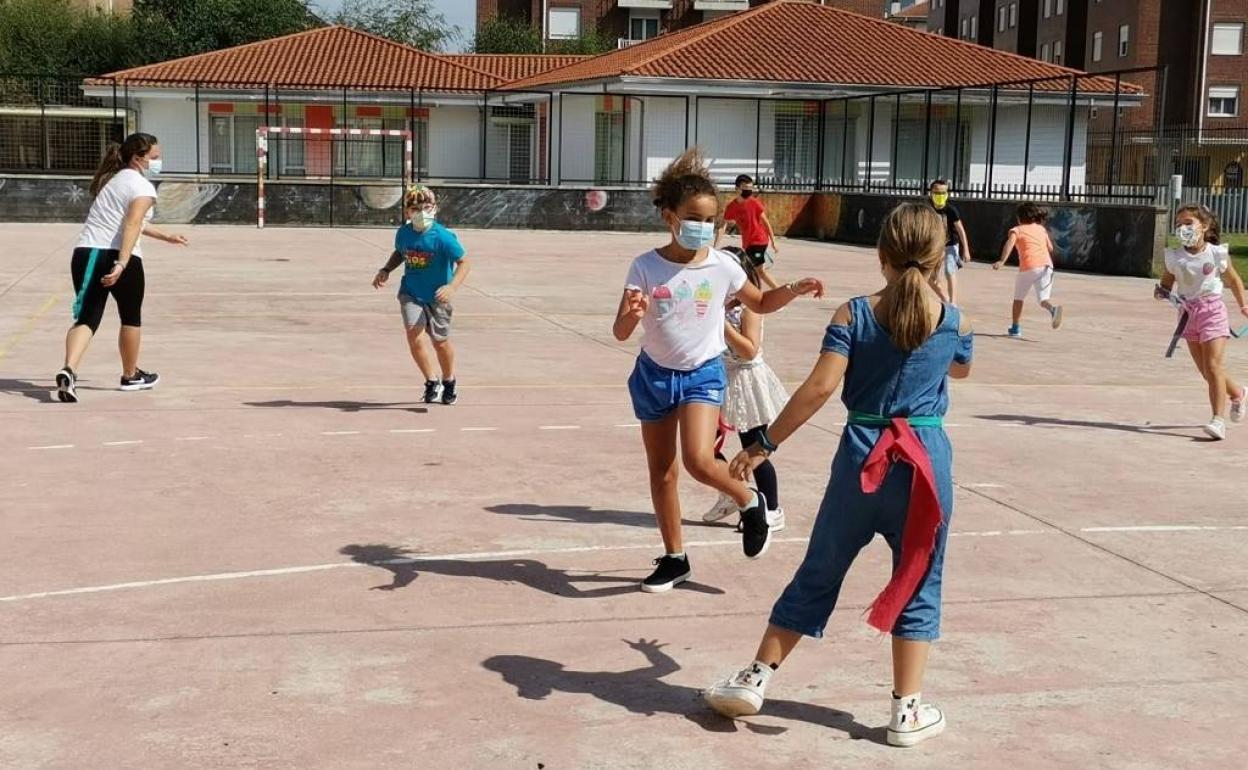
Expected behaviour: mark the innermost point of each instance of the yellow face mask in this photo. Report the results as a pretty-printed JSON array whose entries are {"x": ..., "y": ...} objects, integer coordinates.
[{"x": 940, "y": 199}]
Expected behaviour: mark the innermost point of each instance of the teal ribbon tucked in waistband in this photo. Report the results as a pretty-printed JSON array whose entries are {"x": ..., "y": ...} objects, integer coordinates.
[
  {"x": 880, "y": 421},
  {"x": 87, "y": 277}
]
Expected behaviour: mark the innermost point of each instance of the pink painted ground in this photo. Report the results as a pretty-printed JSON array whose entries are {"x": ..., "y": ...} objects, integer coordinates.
[{"x": 177, "y": 587}]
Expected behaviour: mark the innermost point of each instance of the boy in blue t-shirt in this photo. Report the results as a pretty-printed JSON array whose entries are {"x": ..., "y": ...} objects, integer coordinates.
[{"x": 434, "y": 269}]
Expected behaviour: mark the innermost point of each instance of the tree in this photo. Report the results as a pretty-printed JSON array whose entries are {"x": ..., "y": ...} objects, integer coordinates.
[
  {"x": 48, "y": 36},
  {"x": 511, "y": 35},
  {"x": 167, "y": 29},
  {"x": 411, "y": 22}
]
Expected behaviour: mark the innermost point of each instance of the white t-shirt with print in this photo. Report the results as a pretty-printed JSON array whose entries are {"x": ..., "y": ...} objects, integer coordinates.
[
  {"x": 108, "y": 213},
  {"x": 684, "y": 325},
  {"x": 1198, "y": 274}
]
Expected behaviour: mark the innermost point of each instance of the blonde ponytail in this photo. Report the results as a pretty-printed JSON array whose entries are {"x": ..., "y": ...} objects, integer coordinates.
[{"x": 912, "y": 242}]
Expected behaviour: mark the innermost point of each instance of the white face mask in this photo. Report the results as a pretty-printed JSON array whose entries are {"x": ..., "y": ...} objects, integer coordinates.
[
  {"x": 1189, "y": 235},
  {"x": 153, "y": 168},
  {"x": 695, "y": 235},
  {"x": 422, "y": 220}
]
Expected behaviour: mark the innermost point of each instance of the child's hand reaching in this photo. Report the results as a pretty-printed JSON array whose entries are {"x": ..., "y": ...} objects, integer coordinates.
[
  {"x": 444, "y": 294},
  {"x": 998, "y": 265},
  {"x": 746, "y": 461},
  {"x": 638, "y": 304},
  {"x": 807, "y": 286},
  {"x": 379, "y": 280}
]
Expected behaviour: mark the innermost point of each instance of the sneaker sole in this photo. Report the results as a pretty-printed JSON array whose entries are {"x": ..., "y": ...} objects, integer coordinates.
[
  {"x": 1057, "y": 319},
  {"x": 711, "y": 517},
  {"x": 761, "y": 551},
  {"x": 733, "y": 706},
  {"x": 664, "y": 587},
  {"x": 1211, "y": 433},
  {"x": 65, "y": 391},
  {"x": 449, "y": 403},
  {"x": 141, "y": 385},
  {"x": 907, "y": 739}
]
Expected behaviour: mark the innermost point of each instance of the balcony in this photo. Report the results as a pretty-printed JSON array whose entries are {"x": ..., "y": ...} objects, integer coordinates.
[
  {"x": 627, "y": 42},
  {"x": 662, "y": 5},
  {"x": 721, "y": 5}
]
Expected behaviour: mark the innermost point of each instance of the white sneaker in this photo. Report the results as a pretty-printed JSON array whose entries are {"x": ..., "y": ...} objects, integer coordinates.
[
  {"x": 1056, "y": 312},
  {"x": 914, "y": 721},
  {"x": 1216, "y": 429},
  {"x": 1239, "y": 406},
  {"x": 743, "y": 694},
  {"x": 724, "y": 506},
  {"x": 775, "y": 519}
]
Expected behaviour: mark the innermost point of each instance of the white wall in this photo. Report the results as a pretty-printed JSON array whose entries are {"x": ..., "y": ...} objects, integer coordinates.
[
  {"x": 726, "y": 133},
  {"x": 454, "y": 142},
  {"x": 1044, "y": 159},
  {"x": 172, "y": 121},
  {"x": 664, "y": 134},
  {"x": 576, "y": 139}
]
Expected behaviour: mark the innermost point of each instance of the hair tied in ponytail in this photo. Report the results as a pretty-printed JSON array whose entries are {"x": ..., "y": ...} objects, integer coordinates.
[{"x": 913, "y": 265}]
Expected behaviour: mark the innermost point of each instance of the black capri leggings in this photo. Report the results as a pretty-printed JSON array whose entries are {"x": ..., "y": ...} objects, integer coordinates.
[{"x": 127, "y": 292}]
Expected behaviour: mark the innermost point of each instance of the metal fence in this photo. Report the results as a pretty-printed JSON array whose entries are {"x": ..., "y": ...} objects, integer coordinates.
[{"x": 1079, "y": 137}]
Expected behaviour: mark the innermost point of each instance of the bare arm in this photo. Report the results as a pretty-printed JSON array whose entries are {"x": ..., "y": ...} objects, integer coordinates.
[
  {"x": 633, "y": 304},
  {"x": 746, "y": 342},
  {"x": 966, "y": 244},
  {"x": 161, "y": 235},
  {"x": 394, "y": 261},
  {"x": 769, "y": 302},
  {"x": 771, "y": 233},
  {"x": 131, "y": 229},
  {"x": 462, "y": 268},
  {"x": 1236, "y": 285},
  {"x": 1006, "y": 251},
  {"x": 1167, "y": 282},
  {"x": 719, "y": 232},
  {"x": 956, "y": 370}
]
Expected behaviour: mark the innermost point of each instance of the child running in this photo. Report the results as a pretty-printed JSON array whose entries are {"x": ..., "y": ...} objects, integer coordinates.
[
  {"x": 1035, "y": 264},
  {"x": 957, "y": 247},
  {"x": 678, "y": 294},
  {"x": 754, "y": 395},
  {"x": 1195, "y": 272},
  {"x": 892, "y": 473},
  {"x": 434, "y": 269},
  {"x": 747, "y": 212}
]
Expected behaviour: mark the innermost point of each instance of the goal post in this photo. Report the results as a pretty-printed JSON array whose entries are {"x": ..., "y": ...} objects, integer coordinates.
[{"x": 262, "y": 151}]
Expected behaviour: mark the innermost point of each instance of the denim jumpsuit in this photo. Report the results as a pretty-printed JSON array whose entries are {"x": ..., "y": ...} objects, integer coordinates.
[{"x": 884, "y": 381}]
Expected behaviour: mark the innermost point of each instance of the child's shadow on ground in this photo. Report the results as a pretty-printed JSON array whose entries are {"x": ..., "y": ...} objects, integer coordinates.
[
  {"x": 642, "y": 691},
  {"x": 406, "y": 567},
  {"x": 344, "y": 406},
  {"x": 40, "y": 393},
  {"x": 1057, "y": 422},
  {"x": 583, "y": 514}
]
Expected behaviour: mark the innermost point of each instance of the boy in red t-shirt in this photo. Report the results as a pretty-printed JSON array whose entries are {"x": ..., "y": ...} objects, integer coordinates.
[{"x": 748, "y": 214}]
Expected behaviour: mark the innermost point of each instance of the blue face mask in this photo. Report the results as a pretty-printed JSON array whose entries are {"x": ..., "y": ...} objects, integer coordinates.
[{"x": 695, "y": 235}]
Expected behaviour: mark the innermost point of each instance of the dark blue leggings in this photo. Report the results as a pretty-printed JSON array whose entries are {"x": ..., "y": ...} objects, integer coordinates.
[{"x": 765, "y": 474}]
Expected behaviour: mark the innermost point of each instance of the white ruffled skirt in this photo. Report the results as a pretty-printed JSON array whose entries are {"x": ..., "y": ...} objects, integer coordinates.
[{"x": 754, "y": 395}]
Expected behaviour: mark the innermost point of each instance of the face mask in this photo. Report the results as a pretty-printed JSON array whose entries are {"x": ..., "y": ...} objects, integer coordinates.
[
  {"x": 153, "y": 168},
  {"x": 695, "y": 235},
  {"x": 422, "y": 220},
  {"x": 1188, "y": 235},
  {"x": 940, "y": 199},
  {"x": 746, "y": 193}
]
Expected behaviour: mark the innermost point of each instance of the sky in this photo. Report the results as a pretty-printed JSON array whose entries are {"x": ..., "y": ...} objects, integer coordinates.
[{"x": 460, "y": 13}]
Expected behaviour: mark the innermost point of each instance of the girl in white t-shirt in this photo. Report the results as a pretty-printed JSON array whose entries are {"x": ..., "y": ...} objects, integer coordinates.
[
  {"x": 108, "y": 260},
  {"x": 1195, "y": 273},
  {"x": 677, "y": 293}
]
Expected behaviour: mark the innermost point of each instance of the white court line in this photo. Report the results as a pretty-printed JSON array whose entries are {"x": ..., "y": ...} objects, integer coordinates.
[
  {"x": 340, "y": 433},
  {"x": 629, "y": 425},
  {"x": 477, "y": 430},
  {"x": 1168, "y": 528},
  {"x": 985, "y": 486},
  {"x": 53, "y": 446},
  {"x": 192, "y": 438},
  {"x": 219, "y": 576},
  {"x": 413, "y": 430},
  {"x": 123, "y": 443},
  {"x": 559, "y": 427}
]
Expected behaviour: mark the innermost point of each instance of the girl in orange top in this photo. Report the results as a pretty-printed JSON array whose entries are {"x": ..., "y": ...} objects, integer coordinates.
[{"x": 1035, "y": 264}]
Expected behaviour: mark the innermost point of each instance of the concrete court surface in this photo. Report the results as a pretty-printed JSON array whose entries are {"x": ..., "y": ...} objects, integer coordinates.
[{"x": 188, "y": 577}]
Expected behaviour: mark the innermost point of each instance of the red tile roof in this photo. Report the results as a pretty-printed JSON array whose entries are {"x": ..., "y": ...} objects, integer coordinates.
[
  {"x": 327, "y": 57},
  {"x": 510, "y": 67},
  {"x": 800, "y": 42}
]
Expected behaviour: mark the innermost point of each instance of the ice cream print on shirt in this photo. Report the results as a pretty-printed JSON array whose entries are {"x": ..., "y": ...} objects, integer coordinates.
[
  {"x": 686, "y": 303},
  {"x": 417, "y": 260}
]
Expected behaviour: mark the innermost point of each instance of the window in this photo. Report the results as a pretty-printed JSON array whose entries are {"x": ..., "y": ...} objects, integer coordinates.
[
  {"x": 1001, "y": 18},
  {"x": 797, "y": 142},
  {"x": 1224, "y": 102},
  {"x": 565, "y": 23},
  {"x": 1061, "y": 7},
  {"x": 1013, "y": 15},
  {"x": 1098, "y": 45},
  {"x": 1233, "y": 175},
  {"x": 1124, "y": 40},
  {"x": 964, "y": 27},
  {"x": 232, "y": 143},
  {"x": 1046, "y": 53},
  {"x": 643, "y": 27},
  {"x": 974, "y": 27},
  {"x": 1048, "y": 8},
  {"x": 1057, "y": 52},
  {"x": 1228, "y": 40}
]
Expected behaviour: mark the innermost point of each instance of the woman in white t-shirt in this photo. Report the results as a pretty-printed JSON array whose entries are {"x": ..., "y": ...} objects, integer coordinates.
[
  {"x": 677, "y": 293},
  {"x": 1195, "y": 272},
  {"x": 122, "y": 207}
]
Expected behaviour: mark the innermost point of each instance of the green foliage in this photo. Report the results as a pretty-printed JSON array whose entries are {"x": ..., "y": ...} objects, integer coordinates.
[
  {"x": 590, "y": 42},
  {"x": 510, "y": 35},
  {"x": 411, "y": 22}
]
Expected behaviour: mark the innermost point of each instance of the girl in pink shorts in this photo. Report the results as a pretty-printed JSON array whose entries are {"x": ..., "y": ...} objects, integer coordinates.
[{"x": 1196, "y": 273}]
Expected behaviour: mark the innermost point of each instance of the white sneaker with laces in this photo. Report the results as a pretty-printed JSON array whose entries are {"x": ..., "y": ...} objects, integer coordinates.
[
  {"x": 724, "y": 506},
  {"x": 775, "y": 519},
  {"x": 1239, "y": 405},
  {"x": 741, "y": 695},
  {"x": 914, "y": 721},
  {"x": 1216, "y": 429}
]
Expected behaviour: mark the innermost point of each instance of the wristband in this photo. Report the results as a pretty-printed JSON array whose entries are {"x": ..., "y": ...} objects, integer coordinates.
[{"x": 765, "y": 442}]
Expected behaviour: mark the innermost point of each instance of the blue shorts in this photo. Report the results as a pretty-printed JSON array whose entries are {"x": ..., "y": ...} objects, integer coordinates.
[
  {"x": 953, "y": 259},
  {"x": 657, "y": 391}
]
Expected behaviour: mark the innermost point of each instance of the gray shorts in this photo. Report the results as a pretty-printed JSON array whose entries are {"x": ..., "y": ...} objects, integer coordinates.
[
  {"x": 435, "y": 317},
  {"x": 953, "y": 258}
]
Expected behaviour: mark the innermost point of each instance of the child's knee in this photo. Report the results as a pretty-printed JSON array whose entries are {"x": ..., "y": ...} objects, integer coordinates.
[
  {"x": 441, "y": 344},
  {"x": 664, "y": 475},
  {"x": 701, "y": 466}
]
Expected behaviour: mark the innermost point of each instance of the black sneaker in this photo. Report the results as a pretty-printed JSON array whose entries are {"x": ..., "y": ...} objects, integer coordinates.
[
  {"x": 668, "y": 572},
  {"x": 433, "y": 390},
  {"x": 448, "y": 392},
  {"x": 140, "y": 381},
  {"x": 67, "y": 386},
  {"x": 755, "y": 531}
]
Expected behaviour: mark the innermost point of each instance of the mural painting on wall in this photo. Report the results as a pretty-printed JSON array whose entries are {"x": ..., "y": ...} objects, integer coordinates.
[
  {"x": 179, "y": 203},
  {"x": 1073, "y": 231}
]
